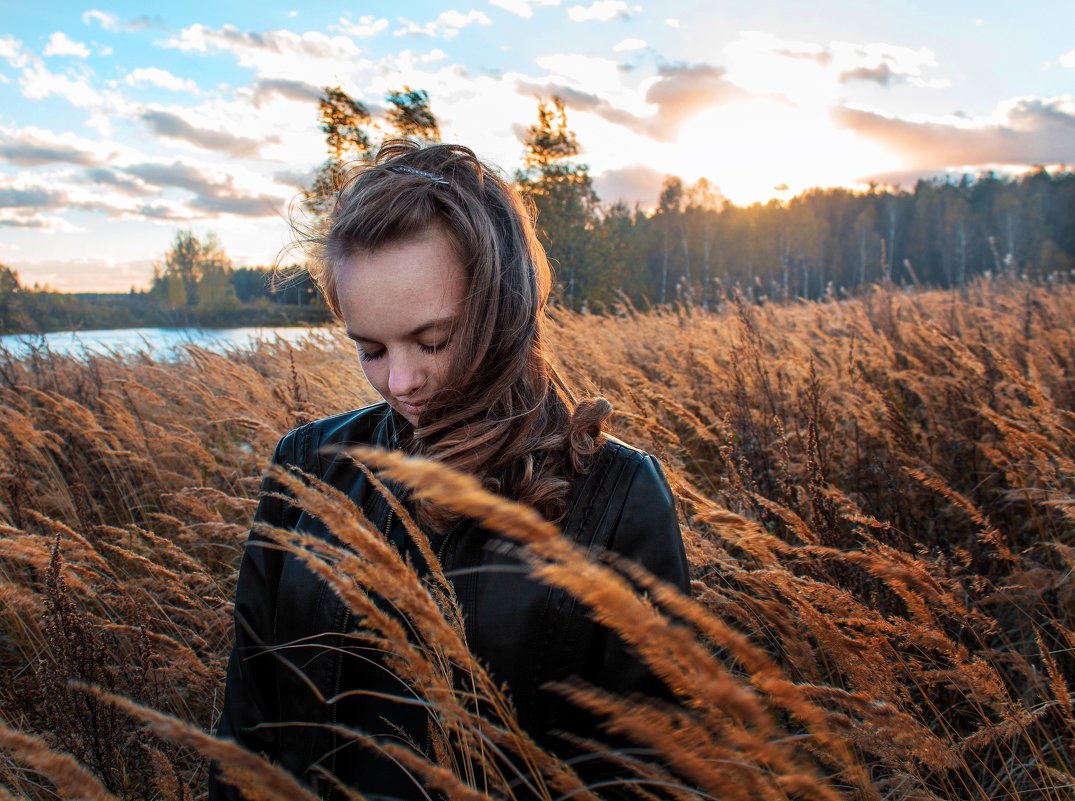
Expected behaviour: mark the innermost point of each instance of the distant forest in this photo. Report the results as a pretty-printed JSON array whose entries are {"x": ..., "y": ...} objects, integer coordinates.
[{"x": 691, "y": 248}]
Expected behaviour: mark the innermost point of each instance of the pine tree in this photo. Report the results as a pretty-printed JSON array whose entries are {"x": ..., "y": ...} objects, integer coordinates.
[
  {"x": 563, "y": 195},
  {"x": 342, "y": 121},
  {"x": 411, "y": 115}
]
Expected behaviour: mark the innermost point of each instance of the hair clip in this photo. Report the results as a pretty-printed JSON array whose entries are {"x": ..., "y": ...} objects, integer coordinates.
[{"x": 403, "y": 168}]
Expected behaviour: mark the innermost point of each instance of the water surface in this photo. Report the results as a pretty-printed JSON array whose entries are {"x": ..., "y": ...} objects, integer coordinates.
[{"x": 160, "y": 343}]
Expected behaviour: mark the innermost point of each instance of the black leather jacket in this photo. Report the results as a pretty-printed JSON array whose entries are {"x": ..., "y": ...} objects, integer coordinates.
[{"x": 288, "y": 622}]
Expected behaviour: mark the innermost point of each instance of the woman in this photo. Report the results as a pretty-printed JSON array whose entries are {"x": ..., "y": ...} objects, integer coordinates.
[{"x": 432, "y": 264}]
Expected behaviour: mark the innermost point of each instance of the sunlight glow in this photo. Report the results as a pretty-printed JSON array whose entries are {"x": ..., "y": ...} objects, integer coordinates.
[{"x": 751, "y": 148}]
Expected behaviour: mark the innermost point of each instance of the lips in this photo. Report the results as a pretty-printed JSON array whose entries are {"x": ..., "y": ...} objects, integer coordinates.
[{"x": 413, "y": 409}]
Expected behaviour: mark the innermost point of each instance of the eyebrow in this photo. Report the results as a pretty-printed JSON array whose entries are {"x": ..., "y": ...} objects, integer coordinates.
[{"x": 443, "y": 322}]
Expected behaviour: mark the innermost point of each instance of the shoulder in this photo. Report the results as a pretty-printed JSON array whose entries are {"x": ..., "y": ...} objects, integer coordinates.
[
  {"x": 373, "y": 424},
  {"x": 618, "y": 461},
  {"x": 623, "y": 484},
  {"x": 625, "y": 505}
]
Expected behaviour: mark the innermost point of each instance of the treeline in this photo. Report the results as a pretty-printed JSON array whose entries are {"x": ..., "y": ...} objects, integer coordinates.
[
  {"x": 195, "y": 284},
  {"x": 691, "y": 247},
  {"x": 183, "y": 293},
  {"x": 694, "y": 248}
]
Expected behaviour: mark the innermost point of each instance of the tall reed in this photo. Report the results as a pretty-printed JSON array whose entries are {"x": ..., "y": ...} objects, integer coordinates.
[{"x": 878, "y": 501}]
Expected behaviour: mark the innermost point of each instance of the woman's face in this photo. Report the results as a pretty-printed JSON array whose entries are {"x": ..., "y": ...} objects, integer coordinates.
[{"x": 399, "y": 303}]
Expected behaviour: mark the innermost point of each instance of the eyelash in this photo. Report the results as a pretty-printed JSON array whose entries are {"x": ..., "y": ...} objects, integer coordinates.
[{"x": 366, "y": 356}]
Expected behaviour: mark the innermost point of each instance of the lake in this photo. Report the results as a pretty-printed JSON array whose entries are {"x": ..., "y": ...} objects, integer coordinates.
[{"x": 161, "y": 343}]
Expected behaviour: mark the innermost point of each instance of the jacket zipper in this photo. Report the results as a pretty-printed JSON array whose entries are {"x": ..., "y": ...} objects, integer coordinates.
[{"x": 444, "y": 545}]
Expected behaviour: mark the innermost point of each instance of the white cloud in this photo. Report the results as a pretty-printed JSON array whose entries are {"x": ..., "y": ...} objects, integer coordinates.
[
  {"x": 408, "y": 60},
  {"x": 599, "y": 11},
  {"x": 35, "y": 202},
  {"x": 18, "y": 218},
  {"x": 522, "y": 8},
  {"x": 110, "y": 22},
  {"x": 266, "y": 90},
  {"x": 590, "y": 73},
  {"x": 31, "y": 147},
  {"x": 60, "y": 45},
  {"x": 185, "y": 126},
  {"x": 672, "y": 22},
  {"x": 312, "y": 57},
  {"x": 889, "y": 61},
  {"x": 635, "y": 183},
  {"x": 293, "y": 13},
  {"x": 215, "y": 191},
  {"x": 12, "y": 52},
  {"x": 1068, "y": 59},
  {"x": 656, "y": 111},
  {"x": 813, "y": 74},
  {"x": 455, "y": 19},
  {"x": 200, "y": 38},
  {"x": 1022, "y": 130},
  {"x": 447, "y": 25},
  {"x": 365, "y": 28},
  {"x": 144, "y": 190},
  {"x": 38, "y": 83},
  {"x": 628, "y": 44},
  {"x": 155, "y": 76}
]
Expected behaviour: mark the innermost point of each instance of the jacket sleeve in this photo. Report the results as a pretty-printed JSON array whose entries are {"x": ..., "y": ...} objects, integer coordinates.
[
  {"x": 250, "y": 687},
  {"x": 647, "y": 532}
]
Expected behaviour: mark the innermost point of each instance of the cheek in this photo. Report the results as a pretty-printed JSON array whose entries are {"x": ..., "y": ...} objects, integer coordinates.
[
  {"x": 440, "y": 369},
  {"x": 375, "y": 374}
]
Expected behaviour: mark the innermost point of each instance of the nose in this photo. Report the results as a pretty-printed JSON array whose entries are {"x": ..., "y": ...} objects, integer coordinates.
[{"x": 405, "y": 377}]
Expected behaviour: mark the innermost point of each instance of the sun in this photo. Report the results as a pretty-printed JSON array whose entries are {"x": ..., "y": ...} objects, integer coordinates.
[{"x": 764, "y": 148}]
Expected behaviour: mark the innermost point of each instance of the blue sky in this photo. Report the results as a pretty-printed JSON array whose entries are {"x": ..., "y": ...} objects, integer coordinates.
[{"x": 121, "y": 122}]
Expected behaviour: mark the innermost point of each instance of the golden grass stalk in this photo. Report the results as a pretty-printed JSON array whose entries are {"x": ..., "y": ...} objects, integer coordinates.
[
  {"x": 71, "y": 779},
  {"x": 256, "y": 777}
]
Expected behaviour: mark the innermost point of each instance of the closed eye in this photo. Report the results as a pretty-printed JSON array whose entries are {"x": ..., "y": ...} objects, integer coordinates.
[
  {"x": 432, "y": 348},
  {"x": 369, "y": 356}
]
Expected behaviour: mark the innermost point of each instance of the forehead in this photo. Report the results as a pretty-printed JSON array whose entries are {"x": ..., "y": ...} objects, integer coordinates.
[{"x": 396, "y": 288}]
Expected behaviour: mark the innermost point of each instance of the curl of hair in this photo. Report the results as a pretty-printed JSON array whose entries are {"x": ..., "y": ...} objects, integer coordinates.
[{"x": 504, "y": 414}]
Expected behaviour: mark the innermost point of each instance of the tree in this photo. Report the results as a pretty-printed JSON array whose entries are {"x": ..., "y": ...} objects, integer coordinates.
[
  {"x": 669, "y": 211},
  {"x": 550, "y": 143},
  {"x": 866, "y": 243},
  {"x": 194, "y": 274},
  {"x": 171, "y": 291},
  {"x": 411, "y": 115},
  {"x": 216, "y": 293},
  {"x": 342, "y": 119},
  {"x": 563, "y": 195},
  {"x": 251, "y": 284},
  {"x": 612, "y": 257},
  {"x": 9, "y": 299},
  {"x": 704, "y": 203}
]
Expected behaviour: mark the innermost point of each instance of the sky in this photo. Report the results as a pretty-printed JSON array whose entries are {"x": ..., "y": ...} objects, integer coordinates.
[{"x": 123, "y": 122}]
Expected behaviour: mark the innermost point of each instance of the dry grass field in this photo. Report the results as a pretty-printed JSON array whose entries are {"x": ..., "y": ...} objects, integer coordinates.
[{"x": 878, "y": 501}]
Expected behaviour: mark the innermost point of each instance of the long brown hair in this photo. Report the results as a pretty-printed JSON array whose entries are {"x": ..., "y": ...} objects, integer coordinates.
[{"x": 504, "y": 415}]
